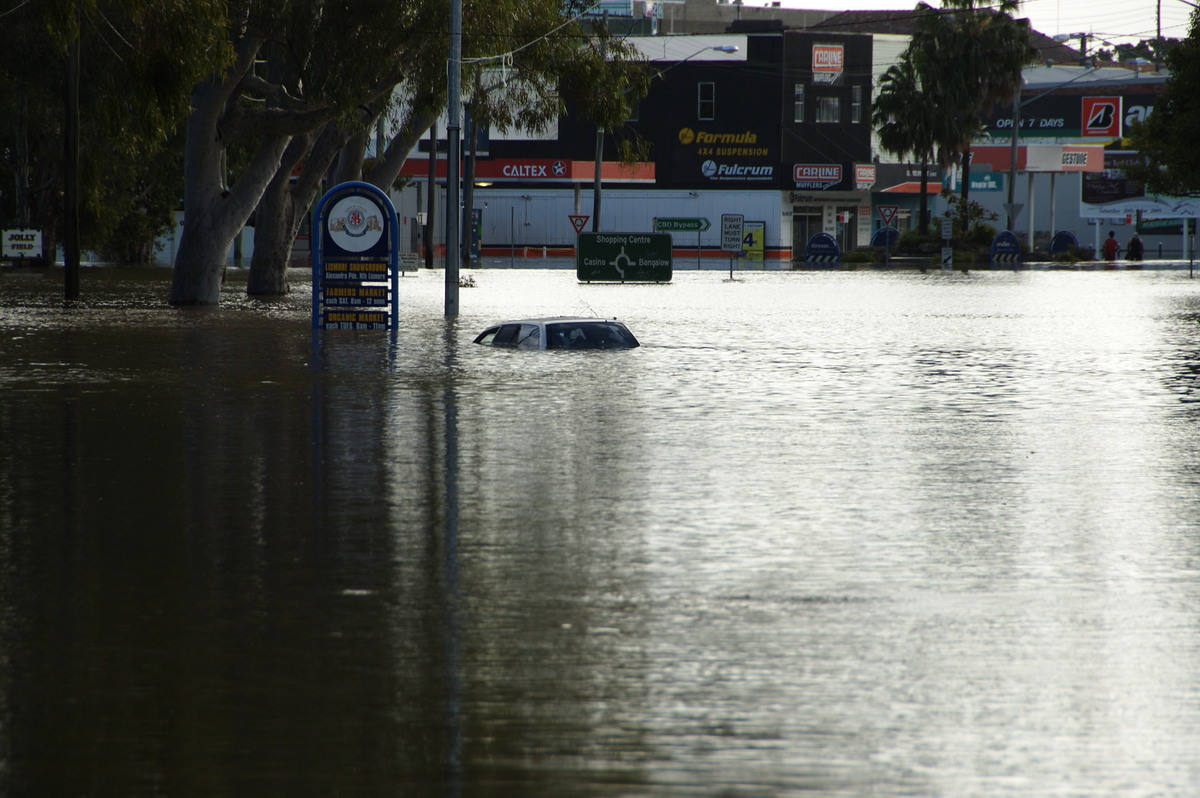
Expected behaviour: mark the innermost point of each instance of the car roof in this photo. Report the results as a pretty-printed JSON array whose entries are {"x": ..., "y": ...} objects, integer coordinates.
[{"x": 562, "y": 320}]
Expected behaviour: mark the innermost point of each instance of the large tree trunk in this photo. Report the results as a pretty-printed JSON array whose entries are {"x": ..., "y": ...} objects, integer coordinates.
[
  {"x": 275, "y": 227},
  {"x": 284, "y": 206},
  {"x": 213, "y": 217},
  {"x": 213, "y": 214},
  {"x": 387, "y": 168},
  {"x": 287, "y": 201},
  {"x": 274, "y": 234}
]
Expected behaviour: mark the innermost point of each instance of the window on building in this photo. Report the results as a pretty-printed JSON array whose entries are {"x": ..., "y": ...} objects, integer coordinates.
[
  {"x": 856, "y": 108},
  {"x": 706, "y": 101},
  {"x": 829, "y": 109},
  {"x": 798, "y": 103}
]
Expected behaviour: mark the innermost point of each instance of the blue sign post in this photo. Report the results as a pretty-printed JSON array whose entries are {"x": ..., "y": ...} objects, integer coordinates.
[
  {"x": 1005, "y": 249},
  {"x": 1063, "y": 241},
  {"x": 356, "y": 248},
  {"x": 822, "y": 248},
  {"x": 886, "y": 237}
]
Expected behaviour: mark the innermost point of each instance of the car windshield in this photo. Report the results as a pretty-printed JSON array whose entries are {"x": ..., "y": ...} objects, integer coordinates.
[{"x": 588, "y": 335}]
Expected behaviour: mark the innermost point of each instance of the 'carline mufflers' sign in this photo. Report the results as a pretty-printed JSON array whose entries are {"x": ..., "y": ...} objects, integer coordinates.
[
  {"x": 623, "y": 257},
  {"x": 355, "y": 260}
]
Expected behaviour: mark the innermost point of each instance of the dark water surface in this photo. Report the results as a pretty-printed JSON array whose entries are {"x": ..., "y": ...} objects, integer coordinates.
[{"x": 828, "y": 533}]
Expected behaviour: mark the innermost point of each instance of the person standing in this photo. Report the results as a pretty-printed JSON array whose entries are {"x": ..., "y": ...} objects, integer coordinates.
[
  {"x": 1111, "y": 246},
  {"x": 1136, "y": 249}
]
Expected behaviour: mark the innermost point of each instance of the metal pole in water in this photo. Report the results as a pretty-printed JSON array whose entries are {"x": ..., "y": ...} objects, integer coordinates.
[{"x": 454, "y": 115}]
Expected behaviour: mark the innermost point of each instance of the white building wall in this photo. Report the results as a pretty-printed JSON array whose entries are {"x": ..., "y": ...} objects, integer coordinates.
[{"x": 516, "y": 217}]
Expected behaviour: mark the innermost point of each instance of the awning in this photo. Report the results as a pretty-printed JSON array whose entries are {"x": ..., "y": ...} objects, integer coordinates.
[{"x": 913, "y": 187}]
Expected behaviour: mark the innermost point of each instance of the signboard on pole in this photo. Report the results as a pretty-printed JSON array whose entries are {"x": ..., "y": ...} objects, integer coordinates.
[
  {"x": 822, "y": 248},
  {"x": 754, "y": 242},
  {"x": 1005, "y": 249},
  {"x": 356, "y": 245},
  {"x": 888, "y": 213},
  {"x": 578, "y": 222},
  {"x": 731, "y": 232},
  {"x": 22, "y": 243},
  {"x": 623, "y": 257}
]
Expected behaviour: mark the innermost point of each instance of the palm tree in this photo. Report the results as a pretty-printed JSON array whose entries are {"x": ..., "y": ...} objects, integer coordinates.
[
  {"x": 969, "y": 56},
  {"x": 907, "y": 119}
]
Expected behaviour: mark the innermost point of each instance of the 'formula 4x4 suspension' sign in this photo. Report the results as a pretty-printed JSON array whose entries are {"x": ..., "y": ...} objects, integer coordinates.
[{"x": 355, "y": 260}]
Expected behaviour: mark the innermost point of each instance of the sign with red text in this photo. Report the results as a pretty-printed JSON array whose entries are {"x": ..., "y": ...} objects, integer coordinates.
[
  {"x": 828, "y": 61},
  {"x": 817, "y": 175}
]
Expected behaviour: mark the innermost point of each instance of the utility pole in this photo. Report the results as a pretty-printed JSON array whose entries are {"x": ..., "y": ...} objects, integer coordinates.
[
  {"x": 468, "y": 220},
  {"x": 71, "y": 171},
  {"x": 453, "y": 130},
  {"x": 1011, "y": 207},
  {"x": 599, "y": 137},
  {"x": 431, "y": 195}
]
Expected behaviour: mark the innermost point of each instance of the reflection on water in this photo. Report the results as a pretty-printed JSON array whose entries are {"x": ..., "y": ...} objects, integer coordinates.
[{"x": 833, "y": 532}]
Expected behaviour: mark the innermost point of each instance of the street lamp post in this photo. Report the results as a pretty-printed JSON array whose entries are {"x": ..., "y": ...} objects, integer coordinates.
[
  {"x": 454, "y": 120},
  {"x": 597, "y": 176}
]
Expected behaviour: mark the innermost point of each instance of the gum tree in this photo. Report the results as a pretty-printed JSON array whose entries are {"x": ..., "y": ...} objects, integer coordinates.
[
  {"x": 1172, "y": 165},
  {"x": 307, "y": 84},
  {"x": 138, "y": 61}
]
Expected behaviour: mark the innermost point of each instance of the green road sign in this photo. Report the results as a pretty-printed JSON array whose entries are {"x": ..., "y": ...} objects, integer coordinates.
[
  {"x": 621, "y": 257},
  {"x": 681, "y": 224}
]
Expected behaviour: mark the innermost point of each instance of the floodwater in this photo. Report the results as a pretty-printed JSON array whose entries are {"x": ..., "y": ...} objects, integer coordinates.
[{"x": 835, "y": 533}]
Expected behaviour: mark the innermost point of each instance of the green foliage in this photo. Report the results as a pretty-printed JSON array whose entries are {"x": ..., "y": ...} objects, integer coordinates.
[
  {"x": 138, "y": 61},
  {"x": 908, "y": 119},
  {"x": 1172, "y": 163},
  {"x": 970, "y": 55},
  {"x": 961, "y": 60},
  {"x": 864, "y": 255},
  {"x": 1072, "y": 255},
  {"x": 916, "y": 241},
  {"x": 974, "y": 211}
]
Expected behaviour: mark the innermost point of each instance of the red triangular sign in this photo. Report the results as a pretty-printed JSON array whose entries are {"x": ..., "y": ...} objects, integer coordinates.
[
  {"x": 887, "y": 213},
  {"x": 578, "y": 222}
]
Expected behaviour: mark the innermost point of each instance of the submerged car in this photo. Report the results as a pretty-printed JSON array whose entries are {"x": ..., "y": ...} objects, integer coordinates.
[{"x": 559, "y": 333}]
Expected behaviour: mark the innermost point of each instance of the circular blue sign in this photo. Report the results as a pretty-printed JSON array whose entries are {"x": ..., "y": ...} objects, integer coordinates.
[
  {"x": 822, "y": 248},
  {"x": 1005, "y": 247},
  {"x": 885, "y": 237},
  {"x": 1063, "y": 240}
]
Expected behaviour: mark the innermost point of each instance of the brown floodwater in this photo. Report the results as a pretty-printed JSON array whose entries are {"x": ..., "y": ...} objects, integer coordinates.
[{"x": 838, "y": 533}]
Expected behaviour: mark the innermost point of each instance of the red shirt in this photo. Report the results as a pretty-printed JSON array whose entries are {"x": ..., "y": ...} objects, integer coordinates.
[{"x": 1110, "y": 248}]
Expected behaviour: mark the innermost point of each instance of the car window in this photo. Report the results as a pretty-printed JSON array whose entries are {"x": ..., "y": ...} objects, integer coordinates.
[
  {"x": 507, "y": 336},
  {"x": 529, "y": 337},
  {"x": 487, "y": 336},
  {"x": 589, "y": 335}
]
